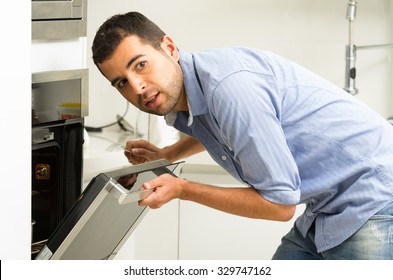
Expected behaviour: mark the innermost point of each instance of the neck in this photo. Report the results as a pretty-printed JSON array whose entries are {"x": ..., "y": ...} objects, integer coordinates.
[{"x": 182, "y": 105}]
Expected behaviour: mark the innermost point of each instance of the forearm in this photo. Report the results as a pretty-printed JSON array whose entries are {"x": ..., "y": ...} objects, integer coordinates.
[
  {"x": 245, "y": 202},
  {"x": 185, "y": 147}
]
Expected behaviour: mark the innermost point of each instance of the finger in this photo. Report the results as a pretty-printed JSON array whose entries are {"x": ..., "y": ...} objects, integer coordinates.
[
  {"x": 127, "y": 153},
  {"x": 143, "y": 153},
  {"x": 151, "y": 201},
  {"x": 138, "y": 151},
  {"x": 132, "y": 158},
  {"x": 148, "y": 200},
  {"x": 162, "y": 194},
  {"x": 145, "y": 186},
  {"x": 138, "y": 144},
  {"x": 136, "y": 161}
]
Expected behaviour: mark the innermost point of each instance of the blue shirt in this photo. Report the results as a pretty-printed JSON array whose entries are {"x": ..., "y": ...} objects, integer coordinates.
[{"x": 293, "y": 136}]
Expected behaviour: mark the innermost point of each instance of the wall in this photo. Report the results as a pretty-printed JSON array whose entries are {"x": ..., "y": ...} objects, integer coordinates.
[
  {"x": 312, "y": 33},
  {"x": 15, "y": 127}
]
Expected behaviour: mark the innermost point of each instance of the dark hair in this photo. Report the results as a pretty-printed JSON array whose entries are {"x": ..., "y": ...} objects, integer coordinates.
[{"x": 119, "y": 26}]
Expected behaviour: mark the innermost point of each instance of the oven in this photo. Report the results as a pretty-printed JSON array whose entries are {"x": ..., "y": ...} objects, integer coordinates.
[
  {"x": 58, "y": 19},
  {"x": 59, "y": 105}
]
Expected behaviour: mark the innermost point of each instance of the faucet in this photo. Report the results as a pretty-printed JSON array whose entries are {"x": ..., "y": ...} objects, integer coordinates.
[{"x": 351, "y": 50}]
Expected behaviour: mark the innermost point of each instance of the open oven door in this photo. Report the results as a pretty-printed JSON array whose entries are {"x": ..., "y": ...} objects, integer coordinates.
[{"x": 105, "y": 215}]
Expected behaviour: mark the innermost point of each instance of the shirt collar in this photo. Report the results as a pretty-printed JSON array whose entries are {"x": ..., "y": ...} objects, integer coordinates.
[
  {"x": 195, "y": 97},
  {"x": 171, "y": 117}
]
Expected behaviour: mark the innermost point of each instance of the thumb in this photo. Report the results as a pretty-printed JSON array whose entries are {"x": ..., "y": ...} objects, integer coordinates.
[
  {"x": 152, "y": 184},
  {"x": 147, "y": 185}
]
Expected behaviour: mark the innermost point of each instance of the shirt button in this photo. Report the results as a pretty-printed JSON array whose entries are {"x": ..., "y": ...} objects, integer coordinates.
[{"x": 223, "y": 157}]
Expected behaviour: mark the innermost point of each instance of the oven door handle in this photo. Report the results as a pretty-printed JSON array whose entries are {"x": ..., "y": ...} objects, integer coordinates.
[{"x": 134, "y": 196}]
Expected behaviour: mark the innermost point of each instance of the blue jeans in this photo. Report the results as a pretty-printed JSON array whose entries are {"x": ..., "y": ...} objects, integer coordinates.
[{"x": 373, "y": 241}]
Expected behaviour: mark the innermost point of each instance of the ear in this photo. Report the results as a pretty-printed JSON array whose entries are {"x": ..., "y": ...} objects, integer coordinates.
[{"x": 169, "y": 47}]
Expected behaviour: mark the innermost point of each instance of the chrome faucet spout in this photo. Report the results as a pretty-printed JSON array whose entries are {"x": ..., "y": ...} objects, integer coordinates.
[
  {"x": 350, "y": 52},
  {"x": 350, "y": 69}
]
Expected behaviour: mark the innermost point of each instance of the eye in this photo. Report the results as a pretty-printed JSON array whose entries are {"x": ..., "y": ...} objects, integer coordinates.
[
  {"x": 141, "y": 65},
  {"x": 122, "y": 83}
]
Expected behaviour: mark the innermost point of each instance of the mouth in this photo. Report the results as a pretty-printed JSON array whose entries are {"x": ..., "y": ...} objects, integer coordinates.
[{"x": 152, "y": 101}]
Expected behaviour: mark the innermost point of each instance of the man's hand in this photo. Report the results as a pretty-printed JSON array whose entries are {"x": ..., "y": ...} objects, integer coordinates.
[
  {"x": 166, "y": 187},
  {"x": 140, "y": 151}
]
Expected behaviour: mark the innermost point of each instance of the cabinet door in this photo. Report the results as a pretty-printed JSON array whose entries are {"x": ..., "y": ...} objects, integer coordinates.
[
  {"x": 156, "y": 237},
  {"x": 205, "y": 233}
]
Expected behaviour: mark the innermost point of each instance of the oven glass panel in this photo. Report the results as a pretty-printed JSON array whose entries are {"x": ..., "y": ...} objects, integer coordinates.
[
  {"x": 56, "y": 100},
  {"x": 57, "y": 157},
  {"x": 45, "y": 190}
]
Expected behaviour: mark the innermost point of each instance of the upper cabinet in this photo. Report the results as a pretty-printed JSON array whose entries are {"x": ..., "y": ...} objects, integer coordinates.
[{"x": 55, "y": 19}]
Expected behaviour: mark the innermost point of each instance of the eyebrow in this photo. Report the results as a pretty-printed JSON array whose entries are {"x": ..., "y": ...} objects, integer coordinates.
[{"x": 131, "y": 61}]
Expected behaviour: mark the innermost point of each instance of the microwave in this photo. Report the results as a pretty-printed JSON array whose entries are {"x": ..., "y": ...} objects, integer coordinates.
[
  {"x": 58, "y": 19},
  {"x": 59, "y": 95}
]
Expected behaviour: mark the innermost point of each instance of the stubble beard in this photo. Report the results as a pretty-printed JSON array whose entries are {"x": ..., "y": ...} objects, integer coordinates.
[{"x": 172, "y": 91}]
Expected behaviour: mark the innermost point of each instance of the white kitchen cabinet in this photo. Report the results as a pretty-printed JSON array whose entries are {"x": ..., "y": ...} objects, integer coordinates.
[
  {"x": 205, "y": 233},
  {"x": 156, "y": 237}
]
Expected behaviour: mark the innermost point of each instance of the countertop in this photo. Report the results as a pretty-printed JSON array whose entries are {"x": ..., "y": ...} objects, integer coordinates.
[{"x": 103, "y": 151}]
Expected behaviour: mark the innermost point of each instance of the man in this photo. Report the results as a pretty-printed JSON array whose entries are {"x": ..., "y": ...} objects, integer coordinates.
[{"x": 289, "y": 135}]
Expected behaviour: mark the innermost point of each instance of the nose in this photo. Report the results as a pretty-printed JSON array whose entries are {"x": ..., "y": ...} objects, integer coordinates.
[{"x": 138, "y": 85}]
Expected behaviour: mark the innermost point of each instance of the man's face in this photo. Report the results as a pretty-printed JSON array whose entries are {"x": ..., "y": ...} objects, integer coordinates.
[{"x": 150, "y": 79}]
